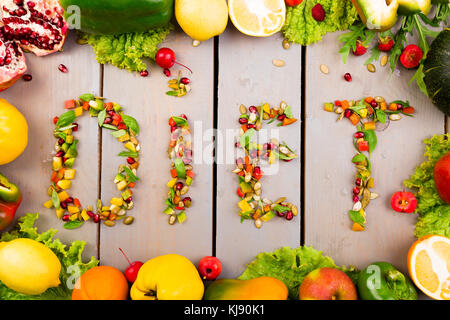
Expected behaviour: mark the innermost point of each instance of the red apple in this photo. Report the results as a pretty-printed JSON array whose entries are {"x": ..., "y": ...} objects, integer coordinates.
[
  {"x": 442, "y": 177},
  {"x": 327, "y": 284}
]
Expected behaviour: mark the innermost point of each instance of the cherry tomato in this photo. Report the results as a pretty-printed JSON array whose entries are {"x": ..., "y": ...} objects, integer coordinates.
[
  {"x": 209, "y": 268},
  {"x": 404, "y": 202},
  {"x": 293, "y": 3}
]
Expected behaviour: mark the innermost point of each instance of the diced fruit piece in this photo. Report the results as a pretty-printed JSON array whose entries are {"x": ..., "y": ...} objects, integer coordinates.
[
  {"x": 69, "y": 104},
  {"x": 354, "y": 119},
  {"x": 130, "y": 146},
  {"x": 63, "y": 196},
  {"x": 244, "y": 206},
  {"x": 121, "y": 185},
  {"x": 74, "y": 217},
  {"x": 48, "y": 204},
  {"x": 60, "y": 213},
  {"x": 57, "y": 163},
  {"x": 73, "y": 209},
  {"x": 64, "y": 184},
  {"x": 169, "y": 211},
  {"x": 78, "y": 111},
  {"x": 69, "y": 162},
  {"x": 84, "y": 215},
  {"x": 69, "y": 174},
  {"x": 363, "y": 146},
  {"x": 172, "y": 182},
  {"x": 357, "y": 227}
]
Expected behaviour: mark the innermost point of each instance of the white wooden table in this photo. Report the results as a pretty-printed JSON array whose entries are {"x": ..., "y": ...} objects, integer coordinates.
[{"x": 228, "y": 71}]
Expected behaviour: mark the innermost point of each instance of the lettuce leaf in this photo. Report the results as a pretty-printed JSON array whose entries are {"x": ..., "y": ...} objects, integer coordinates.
[
  {"x": 291, "y": 265},
  {"x": 70, "y": 259},
  {"x": 300, "y": 26},
  {"x": 434, "y": 214},
  {"x": 128, "y": 50}
]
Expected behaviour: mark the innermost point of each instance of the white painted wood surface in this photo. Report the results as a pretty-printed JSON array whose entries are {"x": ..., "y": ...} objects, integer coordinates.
[
  {"x": 247, "y": 76},
  {"x": 39, "y": 101},
  {"x": 329, "y": 150}
]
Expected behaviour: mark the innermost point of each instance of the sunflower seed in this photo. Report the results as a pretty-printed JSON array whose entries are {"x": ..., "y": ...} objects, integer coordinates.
[
  {"x": 278, "y": 63},
  {"x": 324, "y": 69}
]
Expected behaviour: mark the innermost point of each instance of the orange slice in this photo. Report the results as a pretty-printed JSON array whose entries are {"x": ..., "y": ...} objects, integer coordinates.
[
  {"x": 429, "y": 266},
  {"x": 258, "y": 18}
]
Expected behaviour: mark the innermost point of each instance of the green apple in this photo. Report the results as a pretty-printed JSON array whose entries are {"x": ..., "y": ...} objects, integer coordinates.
[{"x": 378, "y": 15}]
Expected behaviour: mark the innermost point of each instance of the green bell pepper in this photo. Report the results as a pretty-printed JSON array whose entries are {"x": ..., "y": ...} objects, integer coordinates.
[
  {"x": 382, "y": 281},
  {"x": 118, "y": 16}
]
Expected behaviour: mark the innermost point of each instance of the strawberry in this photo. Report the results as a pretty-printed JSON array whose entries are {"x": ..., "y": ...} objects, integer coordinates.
[
  {"x": 385, "y": 44},
  {"x": 318, "y": 12},
  {"x": 411, "y": 56},
  {"x": 360, "y": 49}
]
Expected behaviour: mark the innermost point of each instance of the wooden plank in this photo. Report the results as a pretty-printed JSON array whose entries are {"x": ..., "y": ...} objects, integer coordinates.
[
  {"x": 145, "y": 99},
  {"x": 40, "y": 100},
  {"x": 330, "y": 173},
  {"x": 247, "y": 76}
]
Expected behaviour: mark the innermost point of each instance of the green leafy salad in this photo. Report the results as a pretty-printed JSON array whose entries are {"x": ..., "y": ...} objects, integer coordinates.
[
  {"x": 434, "y": 214},
  {"x": 70, "y": 259},
  {"x": 301, "y": 27},
  {"x": 126, "y": 51},
  {"x": 292, "y": 265}
]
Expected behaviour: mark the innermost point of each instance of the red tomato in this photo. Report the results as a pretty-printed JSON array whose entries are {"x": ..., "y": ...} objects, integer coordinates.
[
  {"x": 442, "y": 177},
  {"x": 293, "y": 3},
  {"x": 404, "y": 202}
]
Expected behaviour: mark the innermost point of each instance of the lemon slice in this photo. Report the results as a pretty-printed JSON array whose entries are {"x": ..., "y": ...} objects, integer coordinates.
[
  {"x": 257, "y": 18},
  {"x": 429, "y": 266}
]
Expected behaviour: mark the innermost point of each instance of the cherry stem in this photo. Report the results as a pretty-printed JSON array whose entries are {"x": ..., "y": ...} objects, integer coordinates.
[
  {"x": 125, "y": 256},
  {"x": 180, "y": 64}
]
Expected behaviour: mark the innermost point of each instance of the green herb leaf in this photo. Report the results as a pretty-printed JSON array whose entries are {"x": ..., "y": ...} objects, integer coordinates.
[
  {"x": 73, "y": 224},
  {"x": 118, "y": 133},
  {"x": 128, "y": 154},
  {"x": 288, "y": 112},
  {"x": 67, "y": 118},
  {"x": 66, "y": 128},
  {"x": 280, "y": 208},
  {"x": 380, "y": 115},
  {"x": 360, "y": 157},
  {"x": 131, "y": 176},
  {"x": 181, "y": 122},
  {"x": 371, "y": 137},
  {"x": 109, "y": 127},
  {"x": 247, "y": 137},
  {"x": 172, "y": 93},
  {"x": 87, "y": 97},
  {"x": 356, "y": 217},
  {"x": 181, "y": 217},
  {"x": 55, "y": 199},
  {"x": 131, "y": 123},
  {"x": 374, "y": 56},
  {"x": 101, "y": 117}
]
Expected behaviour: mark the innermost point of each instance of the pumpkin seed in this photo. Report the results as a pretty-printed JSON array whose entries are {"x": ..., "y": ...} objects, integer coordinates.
[
  {"x": 128, "y": 220},
  {"x": 374, "y": 195},
  {"x": 395, "y": 117},
  {"x": 379, "y": 99},
  {"x": 278, "y": 63},
  {"x": 324, "y": 69},
  {"x": 286, "y": 44},
  {"x": 195, "y": 43},
  {"x": 371, "y": 68},
  {"x": 172, "y": 219},
  {"x": 242, "y": 109},
  {"x": 384, "y": 60},
  {"x": 366, "y": 198},
  {"x": 109, "y": 223},
  {"x": 294, "y": 210},
  {"x": 184, "y": 190},
  {"x": 258, "y": 223}
]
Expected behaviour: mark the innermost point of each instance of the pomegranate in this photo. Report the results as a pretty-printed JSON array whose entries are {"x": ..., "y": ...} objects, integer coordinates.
[{"x": 37, "y": 26}]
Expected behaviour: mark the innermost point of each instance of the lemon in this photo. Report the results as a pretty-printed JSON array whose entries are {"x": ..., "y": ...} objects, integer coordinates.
[
  {"x": 202, "y": 19},
  {"x": 28, "y": 267},
  {"x": 258, "y": 18},
  {"x": 13, "y": 132}
]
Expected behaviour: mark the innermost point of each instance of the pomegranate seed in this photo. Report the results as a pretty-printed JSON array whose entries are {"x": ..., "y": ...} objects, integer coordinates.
[
  {"x": 282, "y": 117},
  {"x": 257, "y": 170},
  {"x": 399, "y": 106},
  {"x": 69, "y": 200},
  {"x": 129, "y": 200},
  {"x": 144, "y": 73},
  {"x": 348, "y": 77},
  {"x": 355, "y": 199},
  {"x": 253, "y": 154},
  {"x": 358, "y": 182},
  {"x": 289, "y": 216},
  {"x": 130, "y": 160},
  {"x": 167, "y": 72},
  {"x": 66, "y": 217},
  {"x": 179, "y": 186},
  {"x": 63, "y": 205},
  {"x": 359, "y": 135},
  {"x": 60, "y": 154},
  {"x": 48, "y": 12},
  {"x": 27, "y": 77},
  {"x": 185, "y": 80},
  {"x": 251, "y": 126},
  {"x": 183, "y": 116},
  {"x": 356, "y": 191},
  {"x": 237, "y": 145},
  {"x": 31, "y": 4},
  {"x": 97, "y": 218},
  {"x": 55, "y": 120},
  {"x": 253, "y": 109},
  {"x": 280, "y": 214},
  {"x": 243, "y": 120},
  {"x": 76, "y": 127},
  {"x": 108, "y": 120},
  {"x": 348, "y": 113},
  {"x": 61, "y": 141},
  {"x": 90, "y": 214},
  {"x": 63, "y": 68},
  {"x": 373, "y": 104}
]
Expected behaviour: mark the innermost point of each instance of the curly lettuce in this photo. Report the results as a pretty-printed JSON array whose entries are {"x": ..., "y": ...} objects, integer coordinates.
[
  {"x": 301, "y": 27},
  {"x": 291, "y": 265},
  {"x": 434, "y": 214},
  {"x": 70, "y": 259},
  {"x": 128, "y": 50}
]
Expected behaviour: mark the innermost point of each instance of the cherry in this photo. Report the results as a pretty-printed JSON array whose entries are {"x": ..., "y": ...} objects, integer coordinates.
[
  {"x": 132, "y": 271},
  {"x": 209, "y": 268},
  {"x": 166, "y": 58}
]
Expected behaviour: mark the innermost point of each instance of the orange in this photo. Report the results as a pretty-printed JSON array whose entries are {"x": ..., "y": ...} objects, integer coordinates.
[
  {"x": 258, "y": 18},
  {"x": 101, "y": 283},
  {"x": 429, "y": 266}
]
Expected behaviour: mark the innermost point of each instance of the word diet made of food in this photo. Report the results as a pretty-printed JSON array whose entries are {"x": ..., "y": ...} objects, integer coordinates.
[{"x": 129, "y": 34}]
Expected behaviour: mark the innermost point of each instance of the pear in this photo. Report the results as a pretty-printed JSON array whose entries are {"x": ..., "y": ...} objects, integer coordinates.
[
  {"x": 202, "y": 19},
  {"x": 28, "y": 267}
]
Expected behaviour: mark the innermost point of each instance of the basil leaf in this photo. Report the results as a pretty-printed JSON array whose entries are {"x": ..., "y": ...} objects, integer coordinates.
[
  {"x": 356, "y": 217},
  {"x": 246, "y": 138},
  {"x": 101, "y": 117},
  {"x": 371, "y": 137},
  {"x": 129, "y": 154},
  {"x": 87, "y": 97},
  {"x": 381, "y": 115},
  {"x": 67, "y": 118},
  {"x": 131, "y": 123},
  {"x": 73, "y": 224},
  {"x": 131, "y": 176},
  {"x": 359, "y": 158},
  {"x": 118, "y": 133},
  {"x": 179, "y": 121},
  {"x": 55, "y": 199}
]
